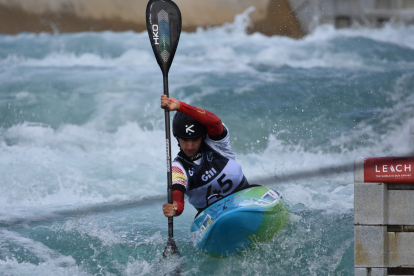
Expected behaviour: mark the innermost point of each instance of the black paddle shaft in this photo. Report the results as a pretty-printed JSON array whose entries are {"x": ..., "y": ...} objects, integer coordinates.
[
  {"x": 168, "y": 152},
  {"x": 164, "y": 29}
]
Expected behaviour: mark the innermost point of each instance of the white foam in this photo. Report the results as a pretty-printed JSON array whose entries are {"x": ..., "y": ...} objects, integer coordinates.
[
  {"x": 89, "y": 227},
  {"x": 389, "y": 33},
  {"x": 77, "y": 164},
  {"x": 332, "y": 191},
  {"x": 52, "y": 262},
  {"x": 131, "y": 57},
  {"x": 227, "y": 47}
]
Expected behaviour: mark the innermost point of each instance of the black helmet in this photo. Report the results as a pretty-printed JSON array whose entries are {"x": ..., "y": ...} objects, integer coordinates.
[{"x": 186, "y": 127}]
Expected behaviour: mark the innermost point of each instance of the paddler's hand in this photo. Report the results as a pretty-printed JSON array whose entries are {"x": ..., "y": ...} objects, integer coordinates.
[
  {"x": 170, "y": 103},
  {"x": 169, "y": 209}
]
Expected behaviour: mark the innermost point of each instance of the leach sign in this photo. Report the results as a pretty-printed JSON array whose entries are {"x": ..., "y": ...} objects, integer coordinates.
[{"x": 389, "y": 169}]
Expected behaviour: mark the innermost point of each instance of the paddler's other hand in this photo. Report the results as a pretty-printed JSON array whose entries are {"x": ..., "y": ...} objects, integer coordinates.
[
  {"x": 170, "y": 103},
  {"x": 169, "y": 209}
]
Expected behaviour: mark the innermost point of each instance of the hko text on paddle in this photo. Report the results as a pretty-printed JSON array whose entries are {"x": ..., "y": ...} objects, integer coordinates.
[{"x": 155, "y": 35}]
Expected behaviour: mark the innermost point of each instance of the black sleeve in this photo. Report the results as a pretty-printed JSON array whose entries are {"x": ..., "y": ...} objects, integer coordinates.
[
  {"x": 179, "y": 187},
  {"x": 221, "y": 136}
]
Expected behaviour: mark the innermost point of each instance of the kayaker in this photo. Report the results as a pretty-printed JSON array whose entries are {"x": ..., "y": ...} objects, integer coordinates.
[{"x": 205, "y": 168}]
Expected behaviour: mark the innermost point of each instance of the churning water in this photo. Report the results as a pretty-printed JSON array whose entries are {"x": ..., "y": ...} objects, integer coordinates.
[{"x": 82, "y": 155}]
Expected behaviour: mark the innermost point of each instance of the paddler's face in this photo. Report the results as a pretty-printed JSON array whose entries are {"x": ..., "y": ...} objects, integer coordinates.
[{"x": 190, "y": 146}]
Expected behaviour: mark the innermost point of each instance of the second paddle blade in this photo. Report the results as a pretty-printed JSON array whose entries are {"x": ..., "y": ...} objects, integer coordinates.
[
  {"x": 164, "y": 28},
  {"x": 171, "y": 248}
]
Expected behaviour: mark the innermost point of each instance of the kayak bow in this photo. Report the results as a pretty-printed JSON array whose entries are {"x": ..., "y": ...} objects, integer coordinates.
[{"x": 238, "y": 221}]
